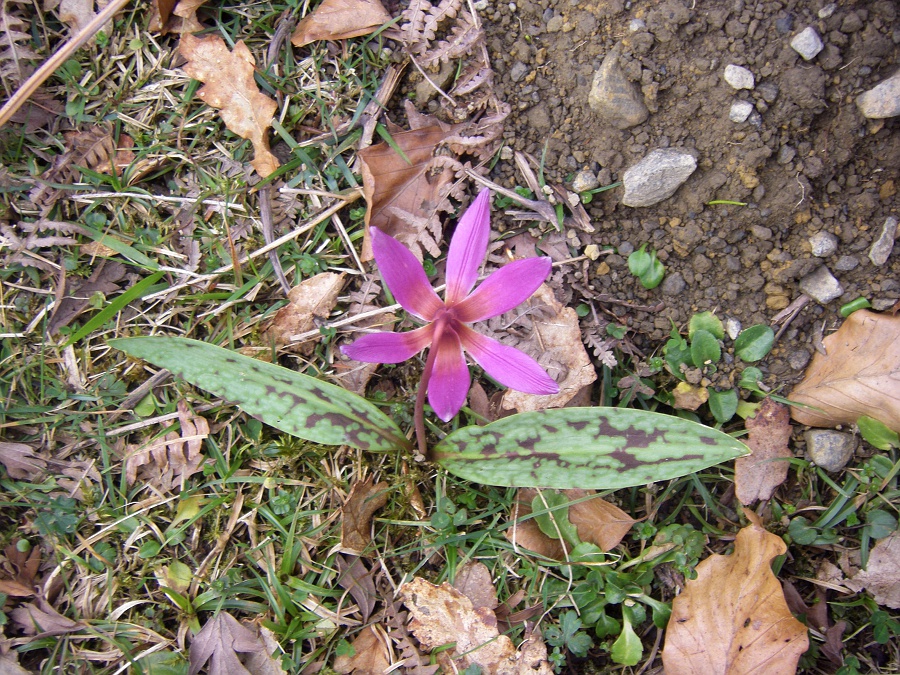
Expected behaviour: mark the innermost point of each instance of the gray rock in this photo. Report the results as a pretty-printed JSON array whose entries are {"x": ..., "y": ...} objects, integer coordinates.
[
  {"x": 827, "y": 10},
  {"x": 823, "y": 244},
  {"x": 881, "y": 101},
  {"x": 518, "y": 71},
  {"x": 626, "y": 248},
  {"x": 846, "y": 263},
  {"x": 768, "y": 91},
  {"x": 739, "y": 77},
  {"x": 807, "y": 43},
  {"x": 786, "y": 154},
  {"x": 798, "y": 359},
  {"x": 881, "y": 249},
  {"x": 657, "y": 176},
  {"x": 585, "y": 180},
  {"x": 740, "y": 111},
  {"x": 732, "y": 327},
  {"x": 636, "y": 25},
  {"x": 821, "y": 286},
  {"x": 674, "y": 284},
  {"x": 830, "y": 449},
  {"x": 616, "y": 98},
  {"x": 555, "y": 24}
]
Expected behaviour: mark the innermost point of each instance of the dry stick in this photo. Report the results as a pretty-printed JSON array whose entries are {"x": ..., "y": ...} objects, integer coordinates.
[
  {"x": 54, "y": 62},
  {"x": 268, "y": 228}
]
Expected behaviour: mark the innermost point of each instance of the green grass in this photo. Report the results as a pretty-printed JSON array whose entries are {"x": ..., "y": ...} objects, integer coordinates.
[{"x": 258, "y": 529}]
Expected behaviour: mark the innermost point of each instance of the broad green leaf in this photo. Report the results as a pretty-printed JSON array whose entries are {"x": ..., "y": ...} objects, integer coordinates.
[
  {"x": 751, "y": 376},
  {"x": 627, "y": 649},
  {"x": 292, "y": 402},
  {"x": 706, "y": 321},
  {"x": 877, "y": 433},
  {"x": 754, "y": 343},
  {"x": 723, "y": 404},
  {"x": 705, "y": 349},
  {"x": 590, "y": 448},
  {"x": 551, "y": 513}
]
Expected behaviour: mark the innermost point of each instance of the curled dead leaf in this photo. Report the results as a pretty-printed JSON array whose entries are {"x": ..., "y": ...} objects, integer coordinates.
[
  {"x": 21, "y": 461},
  {"x": 556, "y": 336},
  {"x": 229, "y": 86},
  {"x": 362, "y": 503},
  {"x": 313, "y": 298},
  {"x": 339, "y": 20},
  {"x": 371, "y": 653},
  {"x": 167, "y": 465},
  {"x": 858, "y": 375},
  {"x": 733, "y": 618},
  {"x": 882, "y": 575},
  {"x": 757, "y": 475}
]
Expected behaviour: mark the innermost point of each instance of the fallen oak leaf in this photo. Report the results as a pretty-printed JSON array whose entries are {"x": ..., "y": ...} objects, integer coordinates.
[
  {"x": 371, "y": 654},
  {"x": 858, "y": 375},
  {"x": 733, "y": 618},
  {"x": 362, "y": 503},
  {"x": 219, "y": 642},
  {"x": 229, "y": 87},
  {"x": 20, "y": 460},
  {"x": 339, "y": 20},
  {"x": 882, "y": 575},
  {"x": 757, "y": 475},
  {"x": 313, "y": 298},
  {"x": 42, "y": 620}
]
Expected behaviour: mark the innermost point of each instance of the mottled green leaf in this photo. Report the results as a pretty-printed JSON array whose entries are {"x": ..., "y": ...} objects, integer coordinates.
[
  {"x": 292, "y": 402},
  {"x": 599, "y": 448}
]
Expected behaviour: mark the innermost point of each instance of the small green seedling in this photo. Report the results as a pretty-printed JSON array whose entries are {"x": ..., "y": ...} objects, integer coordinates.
[
  {"x": 876, "y": 433},
  {"x": 646, "y": 267}
]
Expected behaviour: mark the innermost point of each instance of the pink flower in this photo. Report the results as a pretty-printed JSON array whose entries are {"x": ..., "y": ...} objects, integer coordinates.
[{"x": 446, "y": 374}]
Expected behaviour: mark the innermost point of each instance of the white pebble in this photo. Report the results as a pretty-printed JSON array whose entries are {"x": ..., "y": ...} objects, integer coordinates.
[
  {"x": 740, "y": 111},
  {"x": 739, "y": 77},
  {"x": 827, "y": 10},
  {"x": 807, "y": 43}
]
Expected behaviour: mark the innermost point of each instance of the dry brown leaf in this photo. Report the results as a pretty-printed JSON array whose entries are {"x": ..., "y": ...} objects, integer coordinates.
[
  {"x": 21, "y": 461},
  {"x": 733, "y": 617},
  {"x": 339, "y": 20},
  {"x": 40, "y": 619},
  {"x": 230, "y": 88},
  {"x": 169, "y": 16},
  {"x": 596, "y": 520},
  {"x": 689, "y": 396},
  {"x": 356, "y": 524},
  {"x": 371, "y": 654},
  {"x": 357, "y": 579},
  {"x": 759, "y": 474},
  {"x": 79, "y": 294},
  {"x": 167, "y": 465},
  {"x": 557, "y": 337},
  {"x": 20, "y": 571},
  {"x": 76, "y": 13},
  {"x": 219, "y": 642},
  {"x": 882, "y": 575},
  {"x": 313, "y": 298},
  {"x": 474, "y": 581},
  {"x": 403, "y": 198},
  {"x": 858, "y": 375},
  {"x": 441, "y": 616}
]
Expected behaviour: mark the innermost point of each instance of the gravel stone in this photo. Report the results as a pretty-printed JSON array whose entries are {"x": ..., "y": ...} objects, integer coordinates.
[
  {"x": 828, "y": 10},
  {"x": 786, "y": 154},
  {"x": 882, "y": 247},
  {"x": 830, "y": 449},
  {"x": 846, "y": 263},
  {"x": 807, "y": 43},
  {"x": 616, "y": 98},
  {"x": 821, "y": 286},
  {"x": 636, "y": 25},
  {"x": 657, "y": 176},
  {"x": 823, "y": 244},
  {"x": 518, "y": 71},
  {"x": 555, "y": 24},
  {"x": 732, "y": 327},
  {"x": 739, "y": 77},
  {"x": 674, "y": 284},
  {"x": 784, "y": 24},
  {"x": 585, "y": 180},
  {"x": 740, "y": 111},
  {"x": 798, "y": 359},
  {"x": 626, "y": 248},
  {"x": 881, "y": 101},
  {"x": 768, "y": 91}
]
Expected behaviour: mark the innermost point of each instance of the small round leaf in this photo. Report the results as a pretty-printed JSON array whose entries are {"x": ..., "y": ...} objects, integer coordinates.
[{"x": 754, "y": 343}]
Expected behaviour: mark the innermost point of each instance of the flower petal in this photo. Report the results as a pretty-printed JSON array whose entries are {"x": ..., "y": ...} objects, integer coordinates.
[
  {"x": 468, "y": 247},
  {"x": 450, "y": 380},
  {"x": 504, "y": 289},
  {"x": 404, "y": 276},
  {"x": 389, "y": 347},
  {"x": 509, "y": 366}
]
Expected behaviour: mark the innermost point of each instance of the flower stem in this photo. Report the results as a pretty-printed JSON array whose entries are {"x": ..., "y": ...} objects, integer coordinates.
[{"x": 419, "y": 411}]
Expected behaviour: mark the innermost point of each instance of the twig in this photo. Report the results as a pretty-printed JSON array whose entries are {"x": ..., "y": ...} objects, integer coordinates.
[
  {"x": 268, "y": 229},
  {"x": 62, "y": 54}
]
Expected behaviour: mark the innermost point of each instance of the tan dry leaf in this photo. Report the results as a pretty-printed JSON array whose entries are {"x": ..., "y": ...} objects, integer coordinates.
[
  {"x": 882, "y": 575},
  {"x": 41, "y": 619},
  {"x": 596, "y": 520},
  {"x": 858, "y": 375},
  {"x": 169, "y": 16},
  {"x": 76, "y": 13},
  {"x": 757, "y": 475},
  {"x": 689, "y": 396},
  {"x": 312, "y": 298},
  {"x": 371, "y": 654},
  {"x": 356, "y": 524},
  {"x": 441, "y": 616},
  {"x": 339, "y": 20},
  {"x": 167, "y": 465},
  {"x": 733, "y": 618},
  {"x": 21, "y": 461},
  {"x": 19, "y": 572},
  {"x": 474, "y": 581},
  {"x": 558, "y": 337},
  {"x": 403, "y": 198},
  {"x": 230, "y": 88},
  {"x": 219, "y": 642}
]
